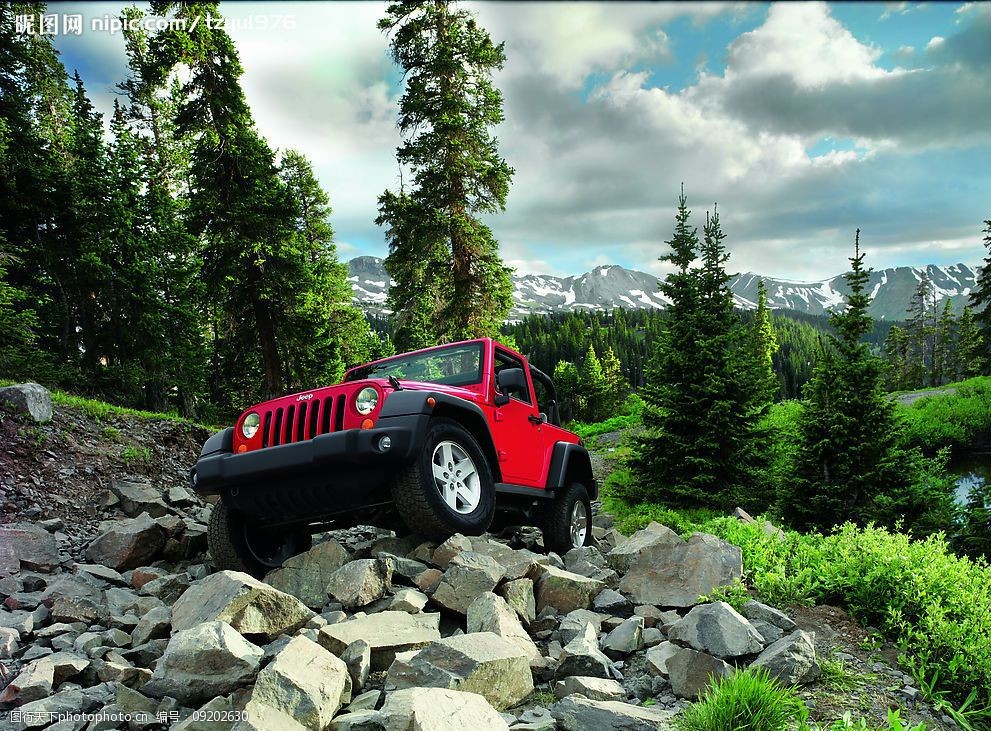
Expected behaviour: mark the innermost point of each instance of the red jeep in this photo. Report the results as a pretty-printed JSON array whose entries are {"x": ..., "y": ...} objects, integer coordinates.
[{"x": 444, "y": 436}]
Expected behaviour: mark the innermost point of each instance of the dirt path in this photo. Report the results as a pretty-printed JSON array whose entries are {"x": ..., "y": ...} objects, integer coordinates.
[{"x": 907, "y": 399}]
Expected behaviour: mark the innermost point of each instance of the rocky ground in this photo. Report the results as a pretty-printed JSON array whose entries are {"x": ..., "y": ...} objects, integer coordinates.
[{"x": 112, "y": 608}]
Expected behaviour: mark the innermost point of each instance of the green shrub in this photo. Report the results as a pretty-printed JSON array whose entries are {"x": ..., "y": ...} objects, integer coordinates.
[
  {"x": 937, "y": 606},
  {"x": 627, "y": 418},
  {"x": 748, "y": 700},
  {"x": 894, "y": 724},
  {"x": 958, "y": 421}
]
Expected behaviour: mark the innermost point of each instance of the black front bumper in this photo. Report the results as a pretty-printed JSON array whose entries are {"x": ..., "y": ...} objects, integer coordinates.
[{"x": 353, "y": 448}]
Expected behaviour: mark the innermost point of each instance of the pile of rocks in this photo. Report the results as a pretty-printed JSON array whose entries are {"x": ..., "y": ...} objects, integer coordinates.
[{"x": 368, "y": 633}]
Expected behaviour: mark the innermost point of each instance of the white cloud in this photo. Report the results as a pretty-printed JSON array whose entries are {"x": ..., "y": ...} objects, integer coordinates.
[
  {"x": 935, "y": 42},
  {"x": 804, "y": 42}
]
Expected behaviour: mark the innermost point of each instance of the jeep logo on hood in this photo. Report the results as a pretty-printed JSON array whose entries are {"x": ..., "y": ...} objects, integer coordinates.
[{"x": 305, "y": 397}]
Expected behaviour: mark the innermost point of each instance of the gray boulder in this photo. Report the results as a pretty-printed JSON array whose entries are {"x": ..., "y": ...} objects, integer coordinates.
[
  {"x": 596, "y": 689},
  {"x": 658, "y": 656},
  {"x": 306, "y": 576},
  {"x": 624, "y": 555},
  {"x": 26, "y": 547},
  {"x": 243, "y": 602},
  {"x": 792, "y": 659},
  {"x": 490, "y": 613},
  {"x": 578, "y": 713},
  {"x": 610, "y": 601},
  {"x": 718, "y": 629},
  {"x": 409, "y": 600},
  {"x": 626, "y": 638},
  {"x": 439, "y": 709},
  {"x": 361, "y": 582},
  {"x": 446, "y": 551},
  {"x": 755, "y": 611},
  {"x": 692, "y": 672},
  {"x": 468, "y": 576},
  {"x": 32, "y": 399},
  {"x": 138, "y": 497},
  {"x": 200, "y": 663},
  {"x": 480, "y": 662},
  {"x": 582, "y": 656},
  {"x": 564, "y": 590},
  {"x": 358, "y": 658},
  {"x": 519, "y": 595},
  {"x": 385, "y": 632},
  {"x": 573, "y": 624},
  {"x": 305, "y": 682},
  {"x": 74, "y": 599},
  {"x": 674, "y": 573},
  {"x": 259, "y": 717},
  {"x": 127, "y": 544}
]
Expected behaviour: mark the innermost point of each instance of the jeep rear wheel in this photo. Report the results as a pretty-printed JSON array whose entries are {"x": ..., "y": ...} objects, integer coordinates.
[
  {"x": 567, "y": 520},
  {"x": 238, "y": 544},
  {"x": 449, "y": 487}
]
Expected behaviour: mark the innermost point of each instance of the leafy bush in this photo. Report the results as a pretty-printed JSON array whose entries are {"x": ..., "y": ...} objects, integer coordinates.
[
  {"x": 748, "y": 700},
  {"x": 894, "y": 724},
  {"x": 627, "y": 418},
  {"x": 958, "y": 420},
  {"x": 936, "y": 605}
]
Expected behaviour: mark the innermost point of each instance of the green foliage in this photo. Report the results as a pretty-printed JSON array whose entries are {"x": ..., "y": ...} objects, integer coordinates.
[
  {"x": 836, "y": 675},
  {"x": 100, "y": 410},
  {"x": 748, "y": 700},
  {"x": 935, "y": 604},
  {"x": 135, "y": 454},
  {"x": 980, "y": 300},
  {"x": 449, "y": 282},
  {"x": 627, "y": 418},
  {"x": 958, "y": 420},
  {"x": 735, "y": 594},
  {"x": 860, "y": 724},
  {"x": 851, "y": 464},
  {"x": 705, "y": 394},
  {"x": 631, "y": 517},
  {"x": 566, "y": 382}
]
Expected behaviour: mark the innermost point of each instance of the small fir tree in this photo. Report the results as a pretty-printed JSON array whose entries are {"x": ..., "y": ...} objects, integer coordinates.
[{"x": 970, "y": 349}]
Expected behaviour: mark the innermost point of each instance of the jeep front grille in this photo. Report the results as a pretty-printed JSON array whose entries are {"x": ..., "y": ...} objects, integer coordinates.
[{"x": 302, "y": 421}]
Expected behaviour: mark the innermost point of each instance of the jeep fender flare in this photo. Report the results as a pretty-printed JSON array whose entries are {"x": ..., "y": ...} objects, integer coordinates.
[
  {"x": 571, "y": 463},
  {"x": 408, "y": 403}
]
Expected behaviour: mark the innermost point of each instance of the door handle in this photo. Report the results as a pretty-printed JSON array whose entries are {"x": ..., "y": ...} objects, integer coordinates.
[{"x": 535, "y": 420}]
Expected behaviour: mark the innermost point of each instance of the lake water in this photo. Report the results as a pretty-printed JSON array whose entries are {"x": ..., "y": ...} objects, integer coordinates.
[{"x": 972, "y": 470}]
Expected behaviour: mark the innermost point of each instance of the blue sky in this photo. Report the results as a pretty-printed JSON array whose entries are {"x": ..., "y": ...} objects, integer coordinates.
[{"x": 804, "y": 121}]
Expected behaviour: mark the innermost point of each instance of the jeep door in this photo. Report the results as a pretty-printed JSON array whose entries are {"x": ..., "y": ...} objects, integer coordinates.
[{"x": 517, "y": 429}]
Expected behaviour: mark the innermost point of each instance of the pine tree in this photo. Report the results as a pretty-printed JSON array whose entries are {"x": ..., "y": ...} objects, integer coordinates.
[
  {"x": 970, "y": 349},
  {"x": 617, "y": 387},
  {"x": 702, "y": 402},
  {"x": 942, "y": 366},
  {"x": 896, "y": 355},
  {"x": 592, "y": 388},
  {"x": 566, "y": 380},
  {"x": 920, "y": 332},
  {"x": 765, "y": 342},
  {"x": 980, "y": 299},
  {"x": 449, "y": 281},
  {"x": 850, "y": 465}
]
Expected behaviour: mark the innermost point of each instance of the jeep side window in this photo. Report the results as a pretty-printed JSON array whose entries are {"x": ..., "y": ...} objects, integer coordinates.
[{"x": 505, "y": 360}]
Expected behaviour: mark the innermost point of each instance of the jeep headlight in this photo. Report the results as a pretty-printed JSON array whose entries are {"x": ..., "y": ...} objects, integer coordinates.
[
  {"x": 249, "y": 427},
  {"x": 366, "y": 400}
]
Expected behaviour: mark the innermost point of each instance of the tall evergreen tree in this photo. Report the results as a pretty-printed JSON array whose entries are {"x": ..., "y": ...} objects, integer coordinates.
[
  {"x": 702, "y": 403},
  {"x": 920, "y": 331},
  {"x": 566, "y": 379},
  {"x": 980, "y": 298},
  {"x": 592, "y": 387},
  {"x": 896, "y": 355},
  {"x": 850, "y": 465},
  {"x": 450, "y": 283},
  {"x": 969, "y": 354},
  {"x": 765, "y": 342},
  {"x": 942, "y": 366},
  {"x": 617, "y": 387}
]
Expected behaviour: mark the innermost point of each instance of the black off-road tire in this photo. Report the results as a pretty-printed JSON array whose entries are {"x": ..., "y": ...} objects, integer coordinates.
[
  {"x": 227, "y": 536},
  {"x": 419, "y": 501},
  {"x": 557, "y": 517}
]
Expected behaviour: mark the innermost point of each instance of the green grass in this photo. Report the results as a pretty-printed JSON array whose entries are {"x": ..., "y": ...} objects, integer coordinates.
[
  {"x": 627, "y": 418},
  {"x": 100, "y": 410},
  {"x": 134, "y": 454},
  {"x": 894, "y": 723},
  {"x": 836, "y": 675},
  {"x": 748, "y": 700}
]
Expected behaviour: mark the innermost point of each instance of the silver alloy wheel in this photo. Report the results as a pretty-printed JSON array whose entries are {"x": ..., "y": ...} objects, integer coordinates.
[
  {"x": 456, "y": 477},
  {"x": 579, "y": 525}
]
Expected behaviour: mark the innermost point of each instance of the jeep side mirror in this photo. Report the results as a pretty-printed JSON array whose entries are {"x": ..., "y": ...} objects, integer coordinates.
[{"x": 509, "y": 380}]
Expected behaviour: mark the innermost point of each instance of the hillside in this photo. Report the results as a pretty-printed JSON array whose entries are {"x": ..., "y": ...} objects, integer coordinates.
[
  {"x": 110, "y": 602},
  {"x": 609, "y": 287}
]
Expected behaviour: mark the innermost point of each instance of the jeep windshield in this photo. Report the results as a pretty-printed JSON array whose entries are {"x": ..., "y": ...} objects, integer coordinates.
[{"x": 459, "y": 365}]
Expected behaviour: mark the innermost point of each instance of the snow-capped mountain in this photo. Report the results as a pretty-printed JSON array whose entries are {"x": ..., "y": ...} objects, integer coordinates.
[{"x": 608, "y": 287}]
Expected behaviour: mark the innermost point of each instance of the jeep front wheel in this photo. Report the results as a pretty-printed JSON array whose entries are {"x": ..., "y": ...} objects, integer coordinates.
[
  {"x": 238, "y": 544},
  {"x": 567, "y": 520},
  {"x": 449, "y": 487}
]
